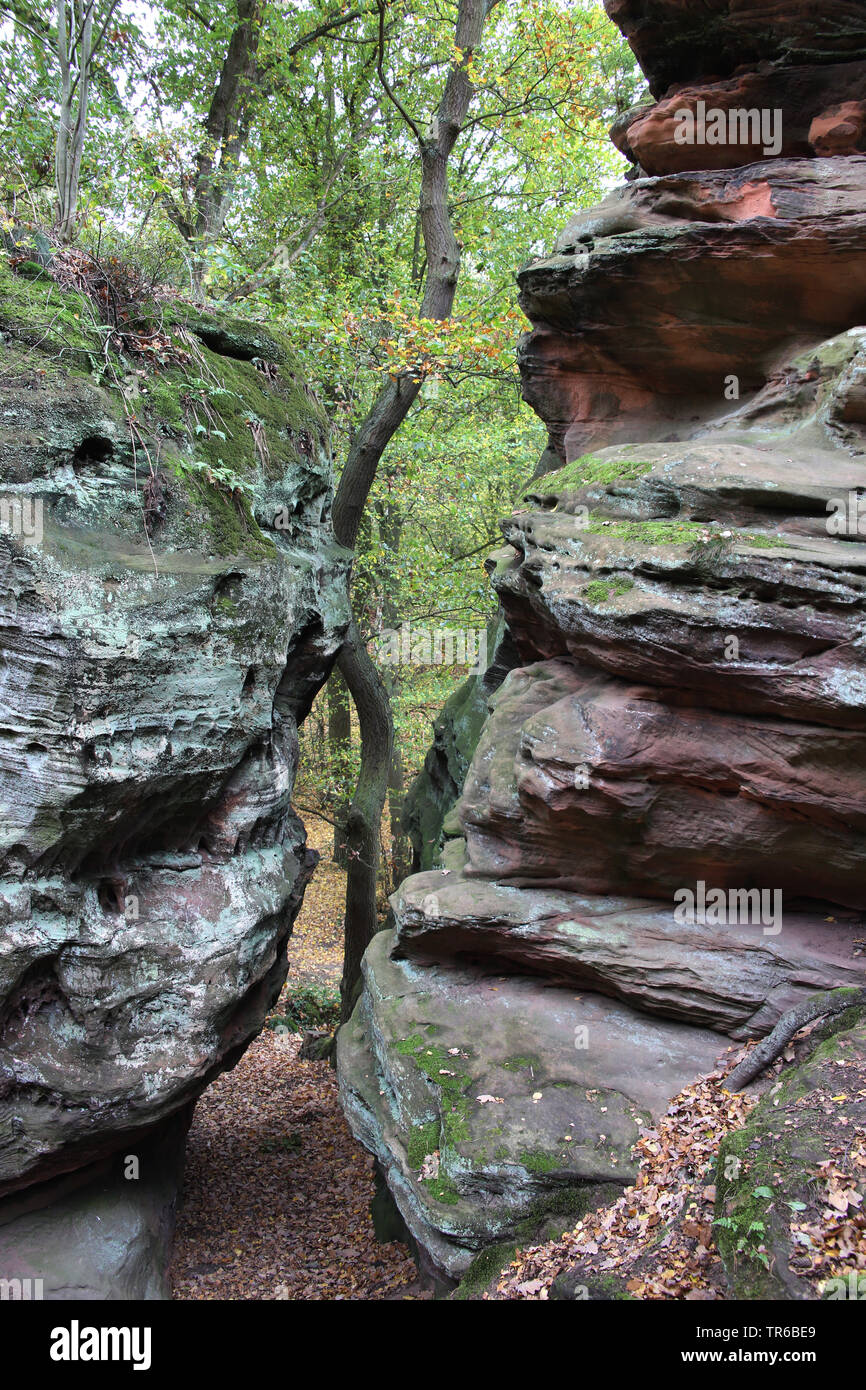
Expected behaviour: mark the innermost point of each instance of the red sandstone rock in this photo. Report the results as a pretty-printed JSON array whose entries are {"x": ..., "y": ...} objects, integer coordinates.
[
  {"x": 839, "y": 130},
  {"x": 731, "y": 977},
  {"x": 615, "y": 788},
  {"x": 655, "y": 299},
  {"x": 754, "y": 116},
  {"x": 679, "y": 41}
]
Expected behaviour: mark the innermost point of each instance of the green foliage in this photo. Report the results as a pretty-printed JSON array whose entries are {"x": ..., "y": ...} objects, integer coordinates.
[
  {"x": 308, "y": 1006},
  {"x": 747, "y": 1235}
]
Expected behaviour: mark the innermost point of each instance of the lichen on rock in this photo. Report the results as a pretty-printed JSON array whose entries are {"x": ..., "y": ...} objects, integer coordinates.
[{"x": 162, "y": 640}]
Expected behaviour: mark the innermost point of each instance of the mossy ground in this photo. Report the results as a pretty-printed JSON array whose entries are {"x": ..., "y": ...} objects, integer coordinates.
[
  {"x": 57, "y": 324},
  {"x": 768, "y": 1178},
  {"x": 600, "y": 591}
]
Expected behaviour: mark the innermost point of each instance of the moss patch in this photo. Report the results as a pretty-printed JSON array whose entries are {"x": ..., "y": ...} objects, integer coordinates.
[
  {"x": 587, "y": 470},
  {"x": 646, "y": 532},
  {"x": 60, "y": 323},
  {"x": 679, "y": 532},
  {"x": 483, "y": 1271},
  {"x": 443, "y": 1071},
  {"x": 442, "y": 1190},
  {"x": 537, "y": 1162},
  {"x": 521, "y": 1063},
  {"x": 232, "y": 527},
  {"x": 600, "y": 591},
  {"x": 423, "y": 1140}
]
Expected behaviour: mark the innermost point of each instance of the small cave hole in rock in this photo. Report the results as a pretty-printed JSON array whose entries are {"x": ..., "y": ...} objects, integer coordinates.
[{"x": 96, "y": 448}]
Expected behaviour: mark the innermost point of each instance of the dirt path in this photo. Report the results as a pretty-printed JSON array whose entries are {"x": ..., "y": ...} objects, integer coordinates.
[{"x": 277, "y": 1192}]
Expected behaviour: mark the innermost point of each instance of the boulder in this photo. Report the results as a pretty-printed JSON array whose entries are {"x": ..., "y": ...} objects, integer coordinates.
[
  {"x": 170, "y": 608},
  {"x": 106, "y": 1237},
  {"x": 685, "y": 287},
  {"x": 492, "y": 1102},
  {"x": 676, "y": 40}
]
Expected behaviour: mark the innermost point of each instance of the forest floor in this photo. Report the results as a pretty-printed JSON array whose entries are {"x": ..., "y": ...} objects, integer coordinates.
[{"x": 277, "y": 1193}]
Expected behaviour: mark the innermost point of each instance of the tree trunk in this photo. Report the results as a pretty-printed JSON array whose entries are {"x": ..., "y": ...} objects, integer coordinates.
[
  {"x": 365, "y": 813},
  {"x": 241, "y": 91},
  {"x": 390, "y": 521},
  {"x": 771, "y": 1047},
  {"x": 74, "y": 43},
  {"x": 401, "y": 852},
  {"x": 384, "y": 418},
  {"x": 339, "y": 746}
]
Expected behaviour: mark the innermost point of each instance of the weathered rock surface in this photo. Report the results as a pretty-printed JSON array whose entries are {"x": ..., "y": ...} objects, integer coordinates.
[
  {"x": 582, "y": 781},
  {"x": 652, "y": 301},
  {"x": 160, "y": 643},
  {"x": 738, "y": 977},
  {"x": 491, "y": 1103},
  {"x": 802, "y": 70},
  {"x": 675, "y": 40},
  {"x": 685, "y": 586},
  {"x": 108, "y": 1238}
]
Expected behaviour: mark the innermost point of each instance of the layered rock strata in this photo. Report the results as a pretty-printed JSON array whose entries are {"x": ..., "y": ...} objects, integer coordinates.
[{"x": 662, "y": 826}]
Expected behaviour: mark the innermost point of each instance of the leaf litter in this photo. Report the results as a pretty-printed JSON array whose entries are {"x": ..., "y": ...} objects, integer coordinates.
[{"x": 277, "y": 1192}]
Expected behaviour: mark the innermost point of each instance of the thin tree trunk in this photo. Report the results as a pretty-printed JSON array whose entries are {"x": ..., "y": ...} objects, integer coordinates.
[
  {"x": 241, "y": 91},
  {"x": 401, "y": 853},
  {"x": 339, "y": 746},
  {"x": 76, "y": 48},
  {"x": 390, "y": 521},
  {"x": 384, "y": 418},
  {"x": 365, "y": 813},
  {"x": 771, "y": 1047}
]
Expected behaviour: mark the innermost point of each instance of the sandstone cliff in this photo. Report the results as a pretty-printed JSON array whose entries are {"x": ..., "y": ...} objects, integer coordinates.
[{"x": 685, "y": 587}]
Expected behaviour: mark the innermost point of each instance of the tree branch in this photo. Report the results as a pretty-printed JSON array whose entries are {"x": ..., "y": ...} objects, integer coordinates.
[{"x": 386, "y": 86}]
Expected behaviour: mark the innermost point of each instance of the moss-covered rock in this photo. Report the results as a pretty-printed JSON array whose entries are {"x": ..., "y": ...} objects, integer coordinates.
[
  {"x": 214, "y": 442},
  {"x": 456, "y": 730},
  {"x": 491, "y": 1125},
  {"x": 164, "y": 632}
]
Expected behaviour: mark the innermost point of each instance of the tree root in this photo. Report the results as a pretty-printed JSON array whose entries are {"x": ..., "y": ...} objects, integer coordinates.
[{"x": 817, "y": 1006}]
